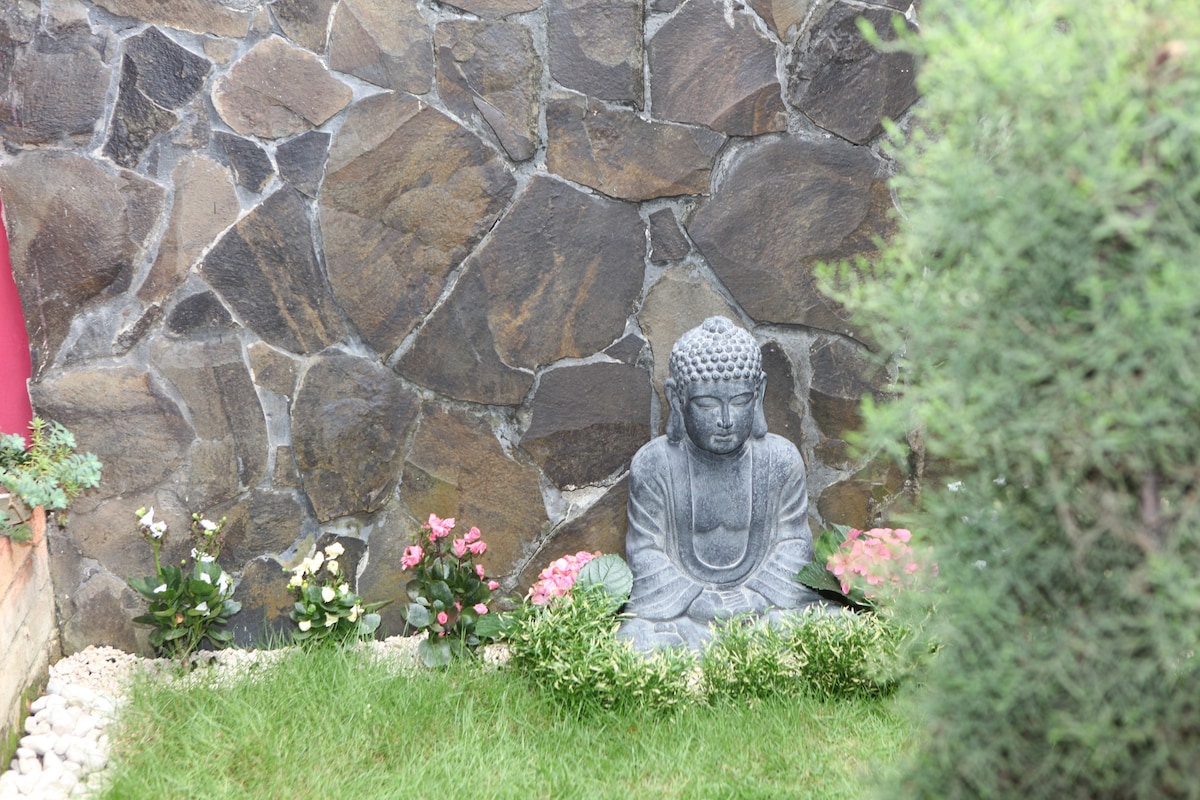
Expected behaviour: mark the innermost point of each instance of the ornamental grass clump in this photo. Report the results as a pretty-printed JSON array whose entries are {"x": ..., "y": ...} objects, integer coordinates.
[
  {"x": 1043, "y": 291},
  {"x": 188, "y": 604}
]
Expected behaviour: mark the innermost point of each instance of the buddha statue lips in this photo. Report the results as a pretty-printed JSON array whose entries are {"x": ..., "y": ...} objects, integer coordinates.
[{"x": 718, "y": 507}]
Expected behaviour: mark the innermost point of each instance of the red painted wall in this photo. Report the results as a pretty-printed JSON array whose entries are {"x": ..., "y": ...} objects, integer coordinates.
[{"x": 15, "y": 412}]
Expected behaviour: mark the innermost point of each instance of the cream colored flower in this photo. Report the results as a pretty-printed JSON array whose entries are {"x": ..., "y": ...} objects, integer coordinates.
[
  {"x": 330, "y": 620},
  {"x": 332, "y": 566},
  {"x": 334, "y": 550},
  {"x": 296, "y": 581},
  {"x": 327, "y": 594},
  {"x": 162, "y": 587},
  {"x": 305, "y": 624},
  {"x": 354, "y": 612},
  {"x": 344, "y": 589}
]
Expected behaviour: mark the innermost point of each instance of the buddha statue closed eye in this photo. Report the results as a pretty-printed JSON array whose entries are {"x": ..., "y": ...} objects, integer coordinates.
[{"x": 718, "y": 507}]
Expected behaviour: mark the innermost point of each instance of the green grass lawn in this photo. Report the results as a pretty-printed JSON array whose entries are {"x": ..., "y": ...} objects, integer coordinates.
[{"x": 341, "y": 725}]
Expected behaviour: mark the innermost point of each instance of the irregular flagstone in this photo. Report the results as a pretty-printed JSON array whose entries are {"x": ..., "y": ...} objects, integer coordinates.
[
  {"x": 167, "y": 74},
  {"x": 54, "y": 89},
  {"x": 842, "y": 374},
  {"x": 350, "y": 423},
  {"x": 619, "y": 153},
  {"x": 267, "y": 271},
  {"x": 679, "y": 301},
  {"x": 305, "y": 22},
  {"x": 136, "y": 121},
  {"x": 782, "y": 15},
  {"x": 492, "y": 69},
  {"x": 253, "y": 100},
  {"x": 454, "y": 353},
  {"x": 628, "y": 349},
  {"x": 587, "y": 421},
  {"x": 75, "y": 230},
  {"x": 199, "y": 16},
  {"x": 211, "y": 376},
  {"x": 302, "y": 161},
  {"x": 157, "y": 77},
  {"x": 784, "y": 206},
  {"x": 667, "y": 240},
  {"x": 845, "y": 84},
  {"x": 862, "y": 500},
  {"x": 458, "y": 469},
  {"x": 563, "y": 270},
  {"x": 98, "y": 612},
  {"x": 784, "y": 412},
  {"x": 383, "y": 578},
  {"x": 595, "y": 47},
  {"x": 407, "y": 193},
  {"x": 266, "y": 603},
  {"x": 384, "y": 42},
  {"x": 251, "y": 165},
  {"x": 273, "y": 369},
  {"x": 495, "y": 8},
  {"x": 712, "y": 72},
  {"x": 199, "y": 313},
  {"x": 125, "y": 418},
  {"x": 205, "y": 204},
  {"x": 262, "y": 521},
  {"x": 601, "y": 528}
]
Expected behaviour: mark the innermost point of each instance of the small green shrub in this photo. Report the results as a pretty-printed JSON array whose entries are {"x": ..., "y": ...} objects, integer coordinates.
[
  {"x": 569, "y": 647},
  {"x": 48, "y": 473},
  {"x": 326, "y": 612}
]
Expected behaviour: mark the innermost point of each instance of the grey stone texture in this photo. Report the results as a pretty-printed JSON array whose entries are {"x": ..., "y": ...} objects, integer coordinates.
[{"x": 325, "y": 267}]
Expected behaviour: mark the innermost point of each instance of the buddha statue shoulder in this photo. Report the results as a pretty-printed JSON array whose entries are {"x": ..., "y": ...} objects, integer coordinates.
[{"x": 718, "y": 507}]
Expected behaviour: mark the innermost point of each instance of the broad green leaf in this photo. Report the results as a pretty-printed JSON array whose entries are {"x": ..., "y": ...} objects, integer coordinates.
[
  {"x": 434, "y": 654},
  {"x": 609, "y": 572},
  {"x": 417, "y": 615}
]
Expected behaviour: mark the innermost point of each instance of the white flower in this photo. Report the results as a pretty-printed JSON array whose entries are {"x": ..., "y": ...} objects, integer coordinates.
[
  {"x": 207, "y": 559},
  {"x": 223, "y": 581},
  {"x": 354, "y": 612},
  {"x": 315, "y": 562},
  {"x": 332, "y": 566},
  {"x": 204, "y": 576},
  {"x": 327, "y": 594},
  {"x": 344, "y": 589},
  {"x": 203, "y": 607},
  {"x": 158, "y": 529},
  {"x": 296, "y": 581},
  {"x": 330, "y": 620},
  {"x": 334, "y": 550},
  {"x": 305, "y": 624},
  {"x": 954, "y": 487},
  {"x": 162, "y": 587},
  {"x": 148, "y": 517},
  {"x": 208, "y": 525}
]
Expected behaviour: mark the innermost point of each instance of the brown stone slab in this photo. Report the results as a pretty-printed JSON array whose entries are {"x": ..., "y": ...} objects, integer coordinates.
[{"x": 595, "y": 47}]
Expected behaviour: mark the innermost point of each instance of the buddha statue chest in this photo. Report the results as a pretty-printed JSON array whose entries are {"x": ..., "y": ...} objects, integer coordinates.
[{"x": 716, "y": 546}]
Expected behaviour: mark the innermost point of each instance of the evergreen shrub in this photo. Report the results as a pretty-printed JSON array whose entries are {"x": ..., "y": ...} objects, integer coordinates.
[{"x": 1044, "y": 290}]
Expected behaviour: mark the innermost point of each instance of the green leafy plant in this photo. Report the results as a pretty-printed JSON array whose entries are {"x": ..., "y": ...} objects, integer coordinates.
[
  {"x": 1042, "y": 290},
  {"x": 449, "y": 592},
  {"x": 188, "y": 604},
  {"x": 866, "y": 570},
  {"x": 326, "y": 610},
  {"x": 48, "y": 473}
]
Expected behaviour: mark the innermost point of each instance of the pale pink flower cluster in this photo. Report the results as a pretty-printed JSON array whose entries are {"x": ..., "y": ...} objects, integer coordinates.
[
  {"x": 881, "y": 557},
  {"x": 558, "y": 578}
]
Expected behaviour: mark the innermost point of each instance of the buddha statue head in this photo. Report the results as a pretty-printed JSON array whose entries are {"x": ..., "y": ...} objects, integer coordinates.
[{"x": 716, "y": 387}]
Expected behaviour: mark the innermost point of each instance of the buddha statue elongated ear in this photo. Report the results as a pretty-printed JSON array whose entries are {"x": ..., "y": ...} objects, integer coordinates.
[
  {"x": 760, "y": 416},
  {"x": 676, "y": 428}
]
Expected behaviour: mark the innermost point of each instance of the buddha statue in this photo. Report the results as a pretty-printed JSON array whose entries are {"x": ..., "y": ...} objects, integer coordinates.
[{"x": 718, "y": 507}]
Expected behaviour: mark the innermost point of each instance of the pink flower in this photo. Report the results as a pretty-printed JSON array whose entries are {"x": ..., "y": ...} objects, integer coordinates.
[
  {"x": 480, "y": 608},
  {"x": 442, "y": 618},
  {"x": 472, "y": 535},
  {"x": 412, "y": 556},
  {"x": 459, "y": 547},
  {"x": 438, "y": 528},
  {"x": 457, "y": 606},
  {"x": 477, "y": 548},
  {"x": 479, "y": 570},
  {"x": 492, "y": 585}
]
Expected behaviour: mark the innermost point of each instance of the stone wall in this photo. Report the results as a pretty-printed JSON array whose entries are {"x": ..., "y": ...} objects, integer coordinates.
[
  {"x": 28, "y": 634},
  {"x": 326, "y": 266}
]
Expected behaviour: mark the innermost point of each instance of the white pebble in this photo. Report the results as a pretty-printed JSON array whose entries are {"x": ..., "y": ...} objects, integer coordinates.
[
  {"x": 67, "y": 781},
  {"x": 26, "y": 784},
  {"x": 29, "y": 766},
  {"x": 39, "y": 743},
  {"x": 54, "y": 686},
  {"x": 81, "y": 695},
  {"x": 39, "y": 704}
]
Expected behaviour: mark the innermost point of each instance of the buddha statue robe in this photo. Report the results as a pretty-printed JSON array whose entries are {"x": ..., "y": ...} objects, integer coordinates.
[{"x": 711, "y": 536}]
